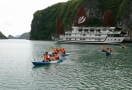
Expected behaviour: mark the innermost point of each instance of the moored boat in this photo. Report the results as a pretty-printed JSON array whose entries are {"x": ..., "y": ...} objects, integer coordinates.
[{"x": 80, "y": 33}]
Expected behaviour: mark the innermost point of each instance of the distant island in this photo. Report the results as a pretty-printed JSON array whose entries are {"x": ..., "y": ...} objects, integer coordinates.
[
  {"x": 2, "y": 36},
  {"x": 22, "y": 36}
]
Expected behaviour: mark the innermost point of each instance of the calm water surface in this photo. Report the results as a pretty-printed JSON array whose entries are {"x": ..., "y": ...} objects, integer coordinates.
[{"x": 87, "y": 68}]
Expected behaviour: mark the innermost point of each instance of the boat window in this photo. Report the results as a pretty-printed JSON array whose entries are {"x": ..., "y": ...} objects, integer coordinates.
[
  {"x": 118, "y": 39},
  {"x": 98, "y": 31},
  {"x": 115, "y": 39},
  {"x": 69, "y": 34},
  {"x": 104, "y": 29},
  {"x": 75, "y": 39},
  {"x": 91, "y": 30},
  {"x": 99, "y": 34},
  {"x": 110, "y": 30},
  {"x": 86, "y": 30},
  {"x": 98, "y": 39},
  {"x": 83, "y": 39},
  {"x": 80, "y": 30},
  {"x": 84, "y": 34}
]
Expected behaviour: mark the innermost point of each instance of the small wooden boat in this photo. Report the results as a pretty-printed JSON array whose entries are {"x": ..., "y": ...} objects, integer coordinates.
[{"x": 46, "y": 63}]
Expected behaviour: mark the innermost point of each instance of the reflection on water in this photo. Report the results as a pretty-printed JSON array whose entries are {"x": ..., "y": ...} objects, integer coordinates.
[{"x": 87, "y": 68}]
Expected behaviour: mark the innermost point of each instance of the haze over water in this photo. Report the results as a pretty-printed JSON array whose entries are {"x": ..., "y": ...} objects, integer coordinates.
[{"x": 87, "y": 68}]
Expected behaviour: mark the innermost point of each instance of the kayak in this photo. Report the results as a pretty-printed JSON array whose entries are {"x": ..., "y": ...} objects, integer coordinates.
[
  {"x": 46, "y": 63},
  {"x": 67, "y": 54},
  {"x": 123, "y": 47},
  {"x": 104, "y": 51},
  {"x": 108, "y": 53},
  {"x": 63, "y": 55}
]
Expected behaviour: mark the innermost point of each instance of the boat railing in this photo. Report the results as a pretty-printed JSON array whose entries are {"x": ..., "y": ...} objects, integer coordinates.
[{"x": 83, "y": 37}]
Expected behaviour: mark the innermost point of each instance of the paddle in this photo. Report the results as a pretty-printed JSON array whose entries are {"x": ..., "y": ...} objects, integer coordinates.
[
  {"x": 114, "y": 50},
  {"x": 48, "y": 49}
]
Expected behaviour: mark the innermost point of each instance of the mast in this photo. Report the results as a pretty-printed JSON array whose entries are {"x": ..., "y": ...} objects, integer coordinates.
[
  {"x": 81, "y": 17},
  {"x": 108, "y": 19},
  {"x": 60, "y": 28}
]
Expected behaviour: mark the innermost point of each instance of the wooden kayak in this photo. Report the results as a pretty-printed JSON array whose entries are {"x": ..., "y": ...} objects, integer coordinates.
[{"x": 46, "y": 63}]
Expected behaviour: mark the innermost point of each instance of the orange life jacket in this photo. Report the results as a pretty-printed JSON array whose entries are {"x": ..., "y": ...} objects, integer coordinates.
[
  {"x": 61, "y": 50},
  {"x": 55, "y": 52},
  {"x": 47, "y": 57},
  {"x": 56, "y": 56}
]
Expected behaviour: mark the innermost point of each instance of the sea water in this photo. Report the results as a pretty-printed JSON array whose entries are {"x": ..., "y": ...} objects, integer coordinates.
[{"x": 87, "y": 68}]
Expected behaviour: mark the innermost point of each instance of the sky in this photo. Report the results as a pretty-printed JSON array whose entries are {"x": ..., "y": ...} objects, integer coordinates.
[{"x": 16, "y": 15}]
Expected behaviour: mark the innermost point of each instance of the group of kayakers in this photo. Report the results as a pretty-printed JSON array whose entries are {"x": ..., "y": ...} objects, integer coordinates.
[
  {"x": 54, "y": 55},
  {"x": 124, "y": 45},
  {"x": 108, "y": 50}
]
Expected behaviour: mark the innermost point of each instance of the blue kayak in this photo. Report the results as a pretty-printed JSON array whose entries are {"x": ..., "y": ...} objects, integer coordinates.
[
  {"x": 104, "y": 51},
  {"x": 63, "y": 55},
  {"x": 108, "y": 53},
  {"x": 67, "y": 54},
  {"x": 46, "y": 63}
]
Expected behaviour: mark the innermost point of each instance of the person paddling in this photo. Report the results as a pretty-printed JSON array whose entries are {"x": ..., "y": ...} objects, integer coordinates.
[
  {"x": 55, "y": 57},
  {"x": 62, "y": 50},
  {"x": 46, "y": 57},
  {"x": 108, "y": 52},
  {"x": 124, "y": 45},
  {"x": 103, "y": 49}
]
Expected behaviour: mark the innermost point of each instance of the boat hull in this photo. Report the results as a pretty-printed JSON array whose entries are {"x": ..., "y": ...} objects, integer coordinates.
[
  {"x": 46, "y": 63},
  {"x": 87, "y": 42}
]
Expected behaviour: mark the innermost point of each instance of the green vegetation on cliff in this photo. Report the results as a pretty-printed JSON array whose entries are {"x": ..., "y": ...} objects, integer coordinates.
[{"x": 44, "y": 21}]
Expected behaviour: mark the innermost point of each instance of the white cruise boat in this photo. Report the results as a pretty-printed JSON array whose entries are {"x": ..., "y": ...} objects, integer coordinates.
[
  {"x": 98, "y": 35},
  {"x": 107, "y": 34}
]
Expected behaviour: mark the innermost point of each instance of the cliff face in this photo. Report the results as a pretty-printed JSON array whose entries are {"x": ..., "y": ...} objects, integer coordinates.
[
  {"x": 2, "y": 36},
  {"x": 44, "y": 21}
]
